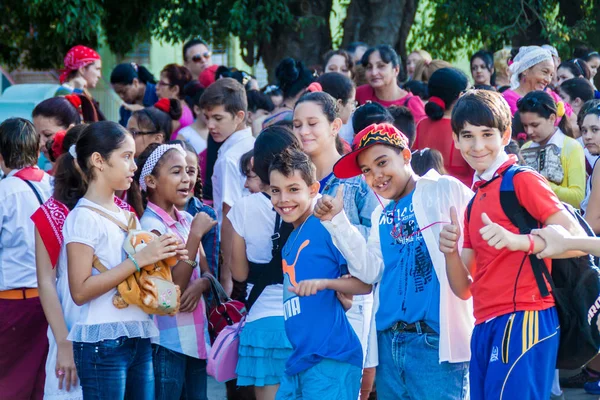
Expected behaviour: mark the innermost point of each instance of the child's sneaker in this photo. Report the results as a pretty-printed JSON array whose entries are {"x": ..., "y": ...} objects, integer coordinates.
[
  {"x": 579, "y": 380},
  {"x": 592, "y": 387}
]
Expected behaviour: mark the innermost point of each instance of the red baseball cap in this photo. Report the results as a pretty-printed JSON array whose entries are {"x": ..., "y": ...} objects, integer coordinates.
[{"x": 388, "y": 134}]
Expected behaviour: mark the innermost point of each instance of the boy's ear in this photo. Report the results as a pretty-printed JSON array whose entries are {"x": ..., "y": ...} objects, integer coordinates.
[
  {"x": 314, "y": 189},
  {"x": 506, "y": 137},
  {"x": 239, "y": 117},
  {"x": 407, "y": 155}
]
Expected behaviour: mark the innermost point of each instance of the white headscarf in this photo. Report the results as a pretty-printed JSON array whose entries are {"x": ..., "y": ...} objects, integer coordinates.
[{"x": 528, "y": 57}]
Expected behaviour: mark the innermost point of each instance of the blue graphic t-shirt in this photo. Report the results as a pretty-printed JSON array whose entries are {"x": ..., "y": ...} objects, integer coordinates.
[
  {"x": 409, "y": 289},
  {"x": 316, "y": 326}
]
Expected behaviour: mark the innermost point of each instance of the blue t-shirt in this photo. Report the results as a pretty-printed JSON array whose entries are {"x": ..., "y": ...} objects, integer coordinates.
[
  {"x": 316, "y": 326},
  {"x": 409, "y": 289},
  {"x": 324, "y": 181}
]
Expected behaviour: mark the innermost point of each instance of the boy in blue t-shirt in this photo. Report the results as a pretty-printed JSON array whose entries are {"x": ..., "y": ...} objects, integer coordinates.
[{"x": 327, "y": 359}]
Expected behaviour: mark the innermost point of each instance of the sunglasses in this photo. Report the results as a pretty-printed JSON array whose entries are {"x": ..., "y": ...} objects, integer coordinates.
[{"x": 199, "y": 57}]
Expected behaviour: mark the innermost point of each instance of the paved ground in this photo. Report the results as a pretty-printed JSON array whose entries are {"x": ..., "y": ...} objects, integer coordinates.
[{"x": 216, "y": 391}]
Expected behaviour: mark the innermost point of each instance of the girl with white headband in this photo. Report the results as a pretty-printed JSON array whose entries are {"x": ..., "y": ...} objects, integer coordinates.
[
  {"x": 532, "y": 69},
  {"x": 161, "y": 185},
  {"x": 111, "y": 345}
]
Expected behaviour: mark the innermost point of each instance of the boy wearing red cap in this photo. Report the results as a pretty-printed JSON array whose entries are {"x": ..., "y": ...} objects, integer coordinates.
[{"x": 422, "y": 328}]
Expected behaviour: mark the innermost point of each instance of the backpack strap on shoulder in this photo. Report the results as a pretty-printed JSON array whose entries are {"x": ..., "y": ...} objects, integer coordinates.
[
  {"x": 525, "y": 222},
  {"x": 96, "y": 263},
  {"x": 111, "y": 218}
]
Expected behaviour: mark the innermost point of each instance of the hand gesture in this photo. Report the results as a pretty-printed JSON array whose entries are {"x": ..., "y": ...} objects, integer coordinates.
[
  {"x": 202, "y": 223},
  {"x": 309, "y": 287},
  {"x": 161, "y": 248},
  {"x": 345, "y": 299},
  {"x": 450, "y": 234},
  {"x": 192, "y": 295},
  {"x": 498, "y": 237},
  {"x": 328, "y": 207},
  {"x": 554, "y": 236},
  {"x": 65, "y": 366}
]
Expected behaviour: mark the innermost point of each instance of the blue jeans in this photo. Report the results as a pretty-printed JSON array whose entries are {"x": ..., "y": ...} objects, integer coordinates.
[
  {"x": 115, "y": 369},
  {"x": 178, "y": 376},
  {"x": 409, "y": 368}
]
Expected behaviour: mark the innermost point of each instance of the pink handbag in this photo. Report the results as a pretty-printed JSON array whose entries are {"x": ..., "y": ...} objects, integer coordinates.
[{"x": 223, "y": 357}]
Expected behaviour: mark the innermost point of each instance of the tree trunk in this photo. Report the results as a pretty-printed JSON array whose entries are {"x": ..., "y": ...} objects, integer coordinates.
[
  {"x": 380, "y": 22},
  {"x": 307, "y": 39}
]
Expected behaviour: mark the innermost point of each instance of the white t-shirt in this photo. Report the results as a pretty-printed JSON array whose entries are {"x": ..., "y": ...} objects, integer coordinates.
[
  {"x": 17, "y": 232},
  {"x": 191, "y": 136},
  {"x": 228, "y": 180},
  {"x": 100, "y": 319},
  {"x": 253, "y": 218}
]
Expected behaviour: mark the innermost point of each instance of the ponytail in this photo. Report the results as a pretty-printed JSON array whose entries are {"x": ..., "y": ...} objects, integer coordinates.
[{"x": 435, "y": 108}]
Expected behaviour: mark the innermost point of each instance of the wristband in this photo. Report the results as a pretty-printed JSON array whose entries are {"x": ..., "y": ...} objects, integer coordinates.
[
  {"x": 133, "y": 261},
  {"x": 531, "y": 245}
]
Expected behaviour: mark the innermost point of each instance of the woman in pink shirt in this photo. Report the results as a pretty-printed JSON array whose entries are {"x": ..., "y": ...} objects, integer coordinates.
[
  {"x": 173, "y": 79},
  {"x": 382, "y": 67},
  {"x": 532, "y": 69}
]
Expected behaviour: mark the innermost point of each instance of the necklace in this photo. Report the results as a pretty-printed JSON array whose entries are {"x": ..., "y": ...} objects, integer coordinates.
[{"x": 287, "y": 253}]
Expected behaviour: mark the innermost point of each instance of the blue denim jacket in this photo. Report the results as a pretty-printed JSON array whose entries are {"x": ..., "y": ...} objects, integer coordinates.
[
  {"x": 211, "y": 241},
  {"x": 359, "y": 200}
]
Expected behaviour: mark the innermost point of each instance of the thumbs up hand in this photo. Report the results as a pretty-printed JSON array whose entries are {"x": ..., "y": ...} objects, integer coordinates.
[
  {"x": 328, "y": 207},
  {"x": 450, "y": 234},
  {"x": 500, "y": 238}
]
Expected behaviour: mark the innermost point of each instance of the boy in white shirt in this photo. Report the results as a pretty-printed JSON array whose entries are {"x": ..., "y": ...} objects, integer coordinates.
[
  {"x": 23, "y": 326},
  {"x": 225, "y": 105}
]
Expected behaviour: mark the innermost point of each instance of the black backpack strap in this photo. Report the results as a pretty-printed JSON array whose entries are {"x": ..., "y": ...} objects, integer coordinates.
[
  {"x": 470, "y": 207},
  {"x": 525, "y": 222},
  {"x": 272, "y": 272},
  {"x": 37, "y": 194}
]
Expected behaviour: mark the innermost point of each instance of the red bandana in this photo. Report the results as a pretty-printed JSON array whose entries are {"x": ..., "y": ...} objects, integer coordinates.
[
  {"x": 30, "y": 174},
  {"x": 79, "y": 56},
  {"x": 49, "y": 220}
]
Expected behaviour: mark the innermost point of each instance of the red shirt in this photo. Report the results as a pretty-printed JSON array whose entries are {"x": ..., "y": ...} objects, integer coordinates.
[
  {"x": 496, "y": 272},
  {"x": 438, "y": 135},
  {"x": 366, "y": 93}
]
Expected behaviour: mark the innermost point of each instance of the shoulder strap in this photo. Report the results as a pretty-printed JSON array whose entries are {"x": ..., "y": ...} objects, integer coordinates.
[
  {"x": 111, "y": 218},
  {"x": 408, "y": 97},
  {"x": 37, "y": 194},
  {"x": 98, "y": 265},
  {"x": 525, "y": 222},
  {"x": 271, "y": 273}
]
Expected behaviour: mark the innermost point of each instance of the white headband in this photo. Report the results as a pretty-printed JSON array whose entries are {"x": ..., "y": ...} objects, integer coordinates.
[
  {"x": 528, "y": 57},
  {"x": 153, "y": 160}
]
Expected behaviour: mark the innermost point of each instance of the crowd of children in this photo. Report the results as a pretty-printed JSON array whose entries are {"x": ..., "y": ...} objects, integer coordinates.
[{"x": 358, "y": 220}]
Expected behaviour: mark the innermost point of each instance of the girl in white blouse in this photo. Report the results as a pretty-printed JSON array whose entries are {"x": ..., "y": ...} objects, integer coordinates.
[{"x": 111, "y": 346}]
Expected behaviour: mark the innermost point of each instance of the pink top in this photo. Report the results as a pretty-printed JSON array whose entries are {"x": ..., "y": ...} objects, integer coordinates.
[
  {"x": 366, "y": 93},
  {"x": 512, "y": 97},
  {"x": 187, "y": 118}
]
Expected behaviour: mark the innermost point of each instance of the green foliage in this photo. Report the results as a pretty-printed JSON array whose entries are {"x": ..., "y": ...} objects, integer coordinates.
[
  {"x": 39, "y": 32},
  {"x": 450, "y": 27}
]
